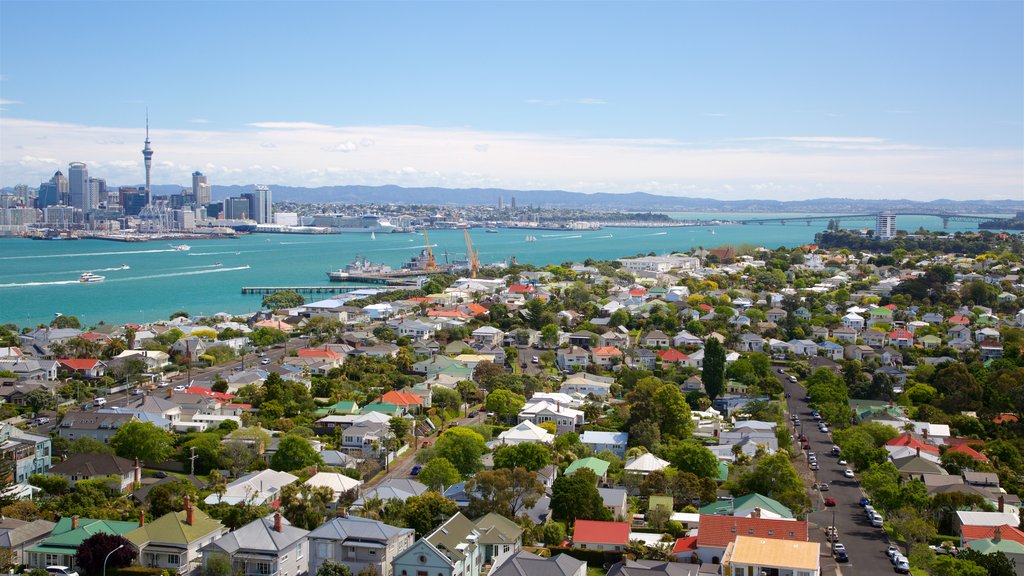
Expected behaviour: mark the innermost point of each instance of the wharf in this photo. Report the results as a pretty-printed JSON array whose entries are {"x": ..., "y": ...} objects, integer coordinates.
[
  {"x": 335, "y": 289},
  {"x": 401, "y": 278}
]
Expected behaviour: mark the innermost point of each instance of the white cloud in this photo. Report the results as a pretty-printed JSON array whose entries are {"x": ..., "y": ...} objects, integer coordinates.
[
  {"x": 198, "y": 121},
  {"x": 7, "y": 102},
  {"x": 785, "y": 167},
  {"x": 289, "y": 125}
]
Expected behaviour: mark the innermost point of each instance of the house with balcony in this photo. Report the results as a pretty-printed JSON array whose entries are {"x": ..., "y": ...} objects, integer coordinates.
[
  {"x": 358, "y": 543},
  {"x": 268, "y": 546},
  {"x": 453, "y": 549},
  {"x": 487, "y": 336},
  {"x": 30, "y": 453},
  {"x": 61, "y": 546},
  {"x": 172, "y": 542}
]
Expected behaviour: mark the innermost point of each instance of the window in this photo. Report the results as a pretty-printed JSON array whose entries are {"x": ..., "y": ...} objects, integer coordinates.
[
  {"x": 263, "y": 567},
  {"x": 322, "y": 549},
  {"x": 173, "y": 559}
]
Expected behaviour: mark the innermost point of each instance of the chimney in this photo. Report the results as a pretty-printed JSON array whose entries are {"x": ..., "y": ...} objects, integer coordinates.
[
  {"x": 74, "y": 522},
  {"x": 755, "y": 513},
  {"x": 138, "y": 472},
  {"x": 189, "y": 518},
  {"x": 924, "y": 433},
  {"x": 277, "y": 522},
  {"x": 918, "y": 451},
  {"x": 997, "y": 534},
  {"x": 142, "y": 519},
  {"x": 1000, "y": 504}
]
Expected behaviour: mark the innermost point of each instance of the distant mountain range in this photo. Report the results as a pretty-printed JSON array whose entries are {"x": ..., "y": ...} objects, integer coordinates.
[{"x": 634, "y": 201}]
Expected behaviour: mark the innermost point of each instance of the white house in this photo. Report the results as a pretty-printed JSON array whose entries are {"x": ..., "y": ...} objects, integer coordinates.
[{"x": 614, "y": 442}]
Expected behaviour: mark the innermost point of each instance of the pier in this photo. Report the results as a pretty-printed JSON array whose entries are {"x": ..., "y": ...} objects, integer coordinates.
[{"x": 335, "y": 289}]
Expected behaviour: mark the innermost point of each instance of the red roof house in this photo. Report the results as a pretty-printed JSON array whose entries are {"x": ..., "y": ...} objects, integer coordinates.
[
  {"x": 959, "y": 319},
  {"x": 1006, "y": 417},
  {"x": 672, "y": 355},
  {"x": 965, "y": 449},
  {"x": 908, "y": 439},
  {"x": 323, "y": 353},
  {"x": 206, "y": 392},
  {"x": 521, "y": 289},
  {"x": 638, "y": 292},
  {"x": 597, "y": 535},
  {"x": 716, "y": 532},
  {"x": 448, "y": 314},
  {"x": 403, "y": 399},
  {"x": 88, "y": 367},
  {"x": 1006, "y": 532}
]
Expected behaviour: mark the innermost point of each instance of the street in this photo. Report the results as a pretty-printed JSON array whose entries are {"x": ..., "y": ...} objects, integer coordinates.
[{"x": 864, "y": 543}]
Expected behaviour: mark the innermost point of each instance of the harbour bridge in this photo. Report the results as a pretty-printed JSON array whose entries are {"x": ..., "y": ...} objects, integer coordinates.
[{"x": 946, "y": 218}]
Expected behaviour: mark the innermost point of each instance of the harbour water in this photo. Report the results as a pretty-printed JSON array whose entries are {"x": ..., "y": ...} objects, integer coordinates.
[{"x": 41, "y": 278}]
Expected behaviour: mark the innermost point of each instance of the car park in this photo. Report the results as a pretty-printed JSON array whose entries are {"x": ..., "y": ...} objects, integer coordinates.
[
  {"x": 830, "y": 501},
  {"x": 848, "y": 473}
]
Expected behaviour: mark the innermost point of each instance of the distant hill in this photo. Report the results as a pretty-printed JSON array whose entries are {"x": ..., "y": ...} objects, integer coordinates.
[{"x": 632, "y": 201}]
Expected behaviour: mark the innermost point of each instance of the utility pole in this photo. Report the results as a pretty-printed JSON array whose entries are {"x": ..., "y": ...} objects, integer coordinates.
[{"x": 192, "y": 461}]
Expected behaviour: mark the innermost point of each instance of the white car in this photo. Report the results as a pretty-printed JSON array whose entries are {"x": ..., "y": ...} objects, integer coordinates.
[
  {"x": 842, "y": 463},
  {"x": 99, "y": 401},
  {"x": 848, "y": 473},
  {"x": 138, "y": 392},
  {"x": 180, "y": 388},
  {"x": 876, "y": 520},
  {"x": 265, "y": 361},
  {"x": 838, "y": 547},
  {"x": 61, "y": 571}
]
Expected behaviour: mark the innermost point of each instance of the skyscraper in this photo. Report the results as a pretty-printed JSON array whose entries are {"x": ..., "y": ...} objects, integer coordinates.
[
  {"x": 260, "y": 204},
  {"x": 200, "y": 189},
  {"x": 885, "y": 226},
  {"x": 79, "y": 188},
  {"x": 147, "y": 156},
  {"x": 53, "y": 192}
]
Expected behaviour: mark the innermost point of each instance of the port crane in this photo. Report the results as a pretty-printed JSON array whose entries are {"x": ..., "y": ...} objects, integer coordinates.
[
  {"x": 472, "y": 255},
  {"x": 431, "y": 265}
]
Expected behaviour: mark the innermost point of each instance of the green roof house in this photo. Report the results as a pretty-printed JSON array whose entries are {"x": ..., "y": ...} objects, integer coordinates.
[
  {"x": 341, "y": 407},
  {"x": 751, "y": 505},
  {"x": 172, "y": 541},
  {"x": 62, "y": 545},
  {"x": 596, "y": 465},
  {"x": 382, "y": 407}
]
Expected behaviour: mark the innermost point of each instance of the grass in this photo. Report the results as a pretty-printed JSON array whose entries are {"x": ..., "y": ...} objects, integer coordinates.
[{"x": 596, "y": 571}]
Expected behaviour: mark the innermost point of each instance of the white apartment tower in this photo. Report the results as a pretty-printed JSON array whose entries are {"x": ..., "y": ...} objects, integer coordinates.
[{"x": 885, "y": 226}]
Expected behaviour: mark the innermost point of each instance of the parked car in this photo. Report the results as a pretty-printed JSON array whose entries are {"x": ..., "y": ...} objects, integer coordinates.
[
  {"x": 848, "y": 473},
  {"x": 830, "y": 501},
  {"x": 840, "y": 556},
  {"x": 835, "y": 452},
  {"x": 891, "y": 551},
  {"x": 814, "y": 465},
  {"x": 416, "y": 470},
  {"x": 838, "y": 547},
  {"x": 843, "y": 463},
  {"x": 41, "y": 420},
  {"x": 138, "y": 392},
  {"x": 792, "y": 379},
  {"x": 831, "y": 534},
  {"x": 179, "y": 388},
  {"x": 876, "y": 520},
  {"x": 802, "y": 438},
  {"x": 61, "y": 571},
  {"x": 806, "y": 446},
  {"x": 865, "y": 501},
  {"x": 159, "y": 474},
  {"x": 896, "y": 557},
  {"x": 265, "y": 361},
  {"x": 903, "y": 567},
  {"x": 99, "y": 401},
  {"x": 823, "y": 486}
]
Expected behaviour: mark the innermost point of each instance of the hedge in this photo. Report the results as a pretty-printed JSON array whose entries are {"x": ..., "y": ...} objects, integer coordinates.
[{"x": 598, "y": 558}]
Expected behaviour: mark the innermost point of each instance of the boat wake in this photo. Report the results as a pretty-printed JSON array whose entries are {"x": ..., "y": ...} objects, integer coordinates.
[
  {"x": 217, "y": 253},
  {"x": 23, "y": 284},
  {"x": 173, "y": 274},
  {"x": 416, "y": 247},
  {"x": 85, "y": 254},
  {"x": 608, "y": 236}
]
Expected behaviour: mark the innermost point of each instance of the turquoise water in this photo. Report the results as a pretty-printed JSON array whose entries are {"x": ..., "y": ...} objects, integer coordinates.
[{"x": 40, "y": 278}]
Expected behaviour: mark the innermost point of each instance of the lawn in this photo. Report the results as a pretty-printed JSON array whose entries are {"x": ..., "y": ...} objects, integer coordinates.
[{"x": 596, "y": 571}]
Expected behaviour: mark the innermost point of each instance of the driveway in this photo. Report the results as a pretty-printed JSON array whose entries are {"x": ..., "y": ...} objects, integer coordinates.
[{"x": 865, "y": 544}]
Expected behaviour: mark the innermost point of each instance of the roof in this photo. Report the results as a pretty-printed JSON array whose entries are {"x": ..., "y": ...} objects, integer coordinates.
[
  {"x": 719, "y": 531},
  {"x": 1006, "y": 532},
  {"x": 449, "y": 536},
  {"x": 908, "y": 439},
  {"x": 597, "y": 532},
  {"x": 672, "y": 355},
  {"x": 970, "y": 518},
  {"x": 65, "y": 539},
  {"x": 598, "y": 466},
  {"x": 171, "y": 528},
  {"x": 688, "y": 544},
  {"x": 990, "y": 546},
  {"x": 400, "y": 398},
  {"x": 260, "y": 536},
  {"x": 596, "y": 437},
  {"x": 356, "y": 528},
  {"x": 496, "y": 529},
  {"x": 14, "y": 533},
  {"x": 965, "y": 449},
  {"x": 79, "y": 363},
  {"x": 318, "y": 353},
  {"x": 607, "y": 351},
  {"x": 727, "y": 508},
  {"x": 89, "y": 465},
  {"x": 335, "y": 481},
  {"x": 525, "y": 563},
  {"x": 646, "y": 462},
  {"x": 773, "y": 553}
]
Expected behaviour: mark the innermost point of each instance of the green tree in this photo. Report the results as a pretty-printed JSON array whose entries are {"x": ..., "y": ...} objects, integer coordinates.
[
  {"x": 694, "y": 458},
  {"x": 713, "y": 374},
  {"x": 88, "y": 445},
  {"x": 774, "y": 476},
  {"x": 427, "y": 511},
  {"x": 170, "y": 497},
  {"x": 142, "y": 440},
  {"x": 66, "y": 322},
  {"x": 445, "y": 400},
  {"x": 207, "y": 449},
  {"x": 994, "y": 564},
  {"x": 549, "y": 335},
  {"x": 332, "y": 568},
  {"x": 293, "y": 453},
  {"x": 283, "y": 299},
  {"x": 399, "y": 427},
  {"x": 438, "y": 473},
  {"x": 910, "y": 525},
  {"x": 530, "y": 455},
  {"x": 305, "y": 506},
  {"x": 463, "y": 448},
  {"x": 217, "y": 564},
  {"x": 504, "y": 491},
  {"x": 576, "y": 497},
  {"x": 505, "y": 403},
  {"x": 553, "y": 534}
]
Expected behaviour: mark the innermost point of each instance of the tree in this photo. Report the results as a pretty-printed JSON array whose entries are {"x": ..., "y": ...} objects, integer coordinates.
[
  {"x": 530, "y": 455},
  {"x": 399, "y": 427},
  {"x": 142, "y": 440},
  {"x": 463, "y": 448},
  {"x": 88, "y": 445},
  {"x": 94, "y": 549},
  {"x": 504, "y": 491},
  {"x": 427, "y": 511},
  {"x": 713, "y": 375},
  {"x": 217, "y": 564},
  {"x": 693, "y": 458},
  {"x": 774, "y": 476},
  {"x": 505, "y": 403},
  {"x": 445, "y": 400},
  {"x": 207, "y": 451},
  {"x": 293, "y": 453},
  {"x": 267, "y": 336},
  {"x": 553, "y": 534},
  {"x": 549, "y": 335},
  {"x": 332, "y": 568},
  {"x": 486, "y": 370},
  {"x": 438, "y": 473},
  {"x": 305, "y": 506},
  {"x": 576, "y": 497},
  {"x": 66, "y": 322},
  {"x": 909, "y": 524},
  {"x": 995, "y": 564},
  {"x": 39, "y": 399},
  {"x": 672, "y": 411},
  {"x": 170, "y": 497},
  {"x": 283, "y": 299}
]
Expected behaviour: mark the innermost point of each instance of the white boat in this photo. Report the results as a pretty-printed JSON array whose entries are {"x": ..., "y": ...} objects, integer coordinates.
[
  {"x": 531, "y": 238},
  {"x": 89, "y": 277},
  {"x": 181, "y": 247},
  {"x": 367, "y": 223},
  {"x": 217, "y": 264},
  {"x": 373, "y": 235},
  {"x": 125, "y": 267}
]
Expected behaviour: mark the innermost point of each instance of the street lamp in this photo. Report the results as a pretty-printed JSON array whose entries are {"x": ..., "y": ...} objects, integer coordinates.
[{"x": 107, "y": 557}]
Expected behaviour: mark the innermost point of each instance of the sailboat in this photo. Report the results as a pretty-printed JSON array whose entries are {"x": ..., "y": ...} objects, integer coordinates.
[
  {"x": 531, "y": 238},
  {"x": 373, "y": 235}
]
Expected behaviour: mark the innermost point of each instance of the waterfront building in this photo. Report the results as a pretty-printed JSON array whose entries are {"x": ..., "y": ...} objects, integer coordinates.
[
  {"x": 885, "y": 226},
  {"x": 200, "y": 189},
  {"x": 260, "y": 208},
  {"x": 236, "y": 209}
]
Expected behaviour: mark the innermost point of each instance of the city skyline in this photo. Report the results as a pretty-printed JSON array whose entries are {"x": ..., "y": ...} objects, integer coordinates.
[{"x": 732, "y": 101}]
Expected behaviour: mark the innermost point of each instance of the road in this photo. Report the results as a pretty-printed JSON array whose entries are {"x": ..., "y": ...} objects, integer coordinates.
[
  {"x": 864, "y": 543},
  {"x": 402, "y": 466}
]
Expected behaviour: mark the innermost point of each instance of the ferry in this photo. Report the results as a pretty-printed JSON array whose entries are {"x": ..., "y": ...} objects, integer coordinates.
[
  {"x": 181, "y": 247},
  {"x": 338, "y": 224},
  {"x": 89, "y": 278}
]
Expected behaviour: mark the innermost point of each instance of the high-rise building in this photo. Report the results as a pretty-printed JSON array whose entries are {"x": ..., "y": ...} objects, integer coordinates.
[
  {"x": 78, "y": 186},
  {"x": 260, "y": 204},
  {"x": 200, "y": 189},
  {"x": 885, "y": 226},
  {"x": 98, "y": 190},
  {"x": 513, "y": 202},
  {"x": 500, "y": 202},
  {"x": 237, "y": 208},
  {"x": 147, "y": 156}
]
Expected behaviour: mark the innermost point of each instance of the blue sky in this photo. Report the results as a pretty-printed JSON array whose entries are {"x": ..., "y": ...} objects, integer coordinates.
[{"x": 733, "y": 100}]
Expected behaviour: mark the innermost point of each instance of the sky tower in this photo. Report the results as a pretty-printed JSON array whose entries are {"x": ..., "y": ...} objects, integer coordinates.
[{"x": 147, "y": 154}]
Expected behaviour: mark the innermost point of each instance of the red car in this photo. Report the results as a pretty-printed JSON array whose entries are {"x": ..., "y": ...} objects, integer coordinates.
[
  {"x": 806, "y": 446},
  {"x": 830, "y": 501},
  {"x": 802, "y": 438}
]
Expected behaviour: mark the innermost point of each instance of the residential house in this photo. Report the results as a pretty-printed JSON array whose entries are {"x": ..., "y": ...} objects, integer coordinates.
[
  {"x": 499, "y": 536},
  {"x": 684, "y": 338},
  {"x": 831, "y": 350},
  {"x": 264, "y": 547},
  {"x": 656, "y": 339},
  {"x": 572, "y": 358},
  {"x": 642, "y": 359},
  {"x": 391, "y": 489},
  {"x": 566, "y": 419},
  {"x": 172, "y": 541},
  {"x": 453, "y": 549},
  {"x": 525, "y": 563},
  {"x": 487, "y": 336},
  {"x": 614, "y": 500},
  {"x": 716, "y": 533},
  {"x": 845, "y": 335},
  {"x": 750, "y": 342},
  {"x": 874, "y": 338},
  {"x": 583, "y": 338},
  {"x": 749, "y": 506},
  {"x": 121, "y": 472},
  {"x": 645, "y": 464},
  {"x": 339, "y": 484},
  {"x": 596, "y": 465},
  {"x": 87, "y": 368},
  {"x": 606, "y": 356},
  {"x": 752, "y": 555},
  {"x": 30, "y": 369},
  {"x": 901, "y": 338},
  {"x": 61, "y": 546},
  {"x": 776, "y": 315},
  {"x": 879, "y": 315},
  {"x": 672, "y": 356},
  {"x": 614, "y": 442},
  {"x": 853, "y": 321},
  {"x": 803, "y": 347},
  {"x": 18, "y": 536},
  {"x": 254, "y": 488},
  {"x": 587, "y": 384},
  {"x": 93, "y": 425},
  {"x": 29, "y": 453},
  {"x": 598, "y": 535},
  {"x": 358, "y": 543},
  {"x": 525, "y": 431}
]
